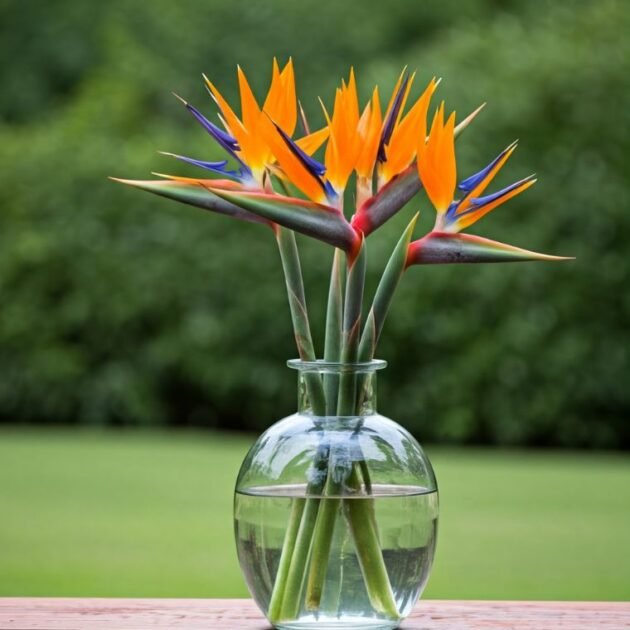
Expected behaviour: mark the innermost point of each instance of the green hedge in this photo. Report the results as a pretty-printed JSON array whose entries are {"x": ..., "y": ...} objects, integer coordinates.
[{"x": 120, "y": 308}]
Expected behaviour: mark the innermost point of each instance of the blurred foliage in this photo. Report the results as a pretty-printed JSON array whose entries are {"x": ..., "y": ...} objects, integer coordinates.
[{"x": 121, "y": 308}]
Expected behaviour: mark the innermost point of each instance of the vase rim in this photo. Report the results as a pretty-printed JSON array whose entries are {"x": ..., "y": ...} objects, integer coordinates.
[{"x": 321, "y": 365}]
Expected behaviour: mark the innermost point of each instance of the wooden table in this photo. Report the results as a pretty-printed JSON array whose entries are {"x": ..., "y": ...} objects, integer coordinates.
[{"x": 240, "y": 614}]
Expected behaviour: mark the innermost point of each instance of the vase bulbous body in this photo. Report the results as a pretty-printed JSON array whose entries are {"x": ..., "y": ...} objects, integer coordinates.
[{"x": 336, "y": 513}]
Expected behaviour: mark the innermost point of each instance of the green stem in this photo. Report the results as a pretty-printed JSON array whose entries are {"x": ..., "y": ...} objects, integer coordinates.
[
  {"x": 332, "y": 345},
  {"x": 383, "y": 297},
  {"x": 311, "y": 531},
  {"x": 332, "y": 353},
  {"x": 359, "y": 513},
  {"x": 326, "y": 518},
  {"x": 384, "y": 294},
  {"x": 279, "y": 587},
  {"x": 322, "y": 536},
  {"x": 351, "y": 331},
  {"x": 290, "y": 586},
  {"x": 299, "y": 314},
  {"x": 303, "y": 512}
]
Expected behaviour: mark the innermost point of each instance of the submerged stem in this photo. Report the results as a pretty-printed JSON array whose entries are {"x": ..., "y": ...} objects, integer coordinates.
[
  {"x": 279, "y": 587},
  {"x": 322, "y": 536},
  {"x": 326, "y": 518},
  {"x": 361, "y": 519},
  {"x": 303, "y": 511}
]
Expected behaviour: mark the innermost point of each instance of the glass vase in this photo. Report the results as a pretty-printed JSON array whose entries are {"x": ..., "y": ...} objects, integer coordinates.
[{"x": 336, "y": 508}]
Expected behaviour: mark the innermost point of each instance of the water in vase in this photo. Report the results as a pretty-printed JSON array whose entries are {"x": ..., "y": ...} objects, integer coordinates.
[{"x": 405, "y": 518}]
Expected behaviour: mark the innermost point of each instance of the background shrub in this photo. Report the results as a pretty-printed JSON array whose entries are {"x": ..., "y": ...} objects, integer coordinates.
[{"x": 122, "y": 309}]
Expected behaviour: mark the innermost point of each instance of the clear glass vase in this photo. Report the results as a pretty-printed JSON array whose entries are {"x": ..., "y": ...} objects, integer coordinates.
[{"x": 336, "y": 508}]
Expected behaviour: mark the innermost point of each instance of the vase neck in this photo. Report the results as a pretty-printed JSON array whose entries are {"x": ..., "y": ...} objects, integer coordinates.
[{"x": 337, "y": 389}]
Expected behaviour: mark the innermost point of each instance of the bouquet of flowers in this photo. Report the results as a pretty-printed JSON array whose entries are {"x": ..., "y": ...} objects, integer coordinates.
[{"x": 271, "y": 177}]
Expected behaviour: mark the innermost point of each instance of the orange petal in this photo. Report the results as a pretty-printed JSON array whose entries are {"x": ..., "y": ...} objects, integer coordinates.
[
  {"x": 447, "y": 150},
  {"x": 272, "y": 102},
  {"x": 281, "y": 103},
  {"x": 369, "y": 130},
  {"x": 436, "y": 161},
  {"x": 249, "y": 107},
  {"x": 289, "y": 98},
  {"x": 344, "y": 142},
  {"x": 403, "y": 144},
  {"x": 234, "y": 125},
  {"x": 257, "y": 152},
  {"x": 309, "y": 144},
  {"x": 228, "y": 184},
  {"x": 352, "y": 100}
]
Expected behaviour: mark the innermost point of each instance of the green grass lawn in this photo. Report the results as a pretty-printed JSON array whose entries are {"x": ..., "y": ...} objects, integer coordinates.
[{"x": 149, "y": 514}]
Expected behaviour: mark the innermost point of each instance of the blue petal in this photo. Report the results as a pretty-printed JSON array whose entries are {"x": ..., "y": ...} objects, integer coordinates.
[
  {"x": 479, "y": 202},
  {"x": 388, "y": 127},
  {"x": 331, "y": 193},
  {"x": 451, "y": 211},
  {"x": 471, "y": 182},
  {"x": 244, "y": 173},
  {"x": 317, "y": 169},
  {"x": 218, "y": 167},
  {"x": 227, "y": 141},
  {"x": 215, "y": 167}
]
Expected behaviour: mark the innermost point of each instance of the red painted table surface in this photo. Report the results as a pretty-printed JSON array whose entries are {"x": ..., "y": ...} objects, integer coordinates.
[{"x": 240, "y": 614}]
